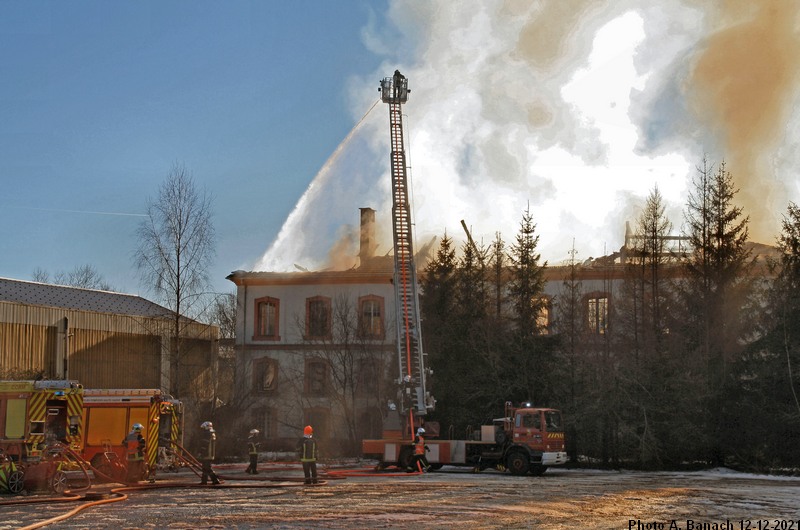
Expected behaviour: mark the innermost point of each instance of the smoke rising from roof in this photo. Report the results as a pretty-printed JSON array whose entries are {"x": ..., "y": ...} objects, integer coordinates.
[
  {"x": 579, "y": 113},
  {"x": 743, "y": 84}
]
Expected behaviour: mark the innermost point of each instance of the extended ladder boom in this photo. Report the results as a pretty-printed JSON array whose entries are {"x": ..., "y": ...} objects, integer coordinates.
[{"x": 394, "y": 91}]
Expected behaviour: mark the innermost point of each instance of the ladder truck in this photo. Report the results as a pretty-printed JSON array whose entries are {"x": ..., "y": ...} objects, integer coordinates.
[
  {"x": 525, "y": 440},
  {"x": 413, "y": 399}
]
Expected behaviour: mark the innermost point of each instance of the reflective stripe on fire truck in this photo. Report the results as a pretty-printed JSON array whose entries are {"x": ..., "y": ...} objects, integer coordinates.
[
  {"x": 38, "y": 413},
  {"x": 152, "y": 436},
  {"x": 37, "y": 408},
  {"x": 176, "y": 426}
]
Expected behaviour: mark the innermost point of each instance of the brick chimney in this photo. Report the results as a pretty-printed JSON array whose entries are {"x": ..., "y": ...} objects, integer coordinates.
[{"x": 368, "y": 243}]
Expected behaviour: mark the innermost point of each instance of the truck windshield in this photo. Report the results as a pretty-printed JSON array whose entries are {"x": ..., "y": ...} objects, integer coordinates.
[{"x": 552, "y": 420}]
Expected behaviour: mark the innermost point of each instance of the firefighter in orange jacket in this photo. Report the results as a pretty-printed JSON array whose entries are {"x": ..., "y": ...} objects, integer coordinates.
[
  {"x": 307, "y": 447},
  {"x": 135, "y": 447},
  {"x": 420, "y": 462}
]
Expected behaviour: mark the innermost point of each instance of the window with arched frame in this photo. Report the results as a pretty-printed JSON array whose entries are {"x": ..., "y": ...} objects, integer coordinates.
[
  {"x": 267, "y": 419},
  {"x": 316, "y": 377},
  {"x": 370, "y": 317},
  {"x": 597, "y": 306},
  {"x": 544, "y": 306},
  {"x": 318, "y": 317},
  {"x": 267, "y": 318}
]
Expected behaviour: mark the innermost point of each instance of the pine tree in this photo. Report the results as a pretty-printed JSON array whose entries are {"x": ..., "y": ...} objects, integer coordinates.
[
  {"x": 530, "y": 357},
  {"x": 770, "y": 395},
  {"x": 715, "y": 291},
  {"x": 527, "y": 277}
]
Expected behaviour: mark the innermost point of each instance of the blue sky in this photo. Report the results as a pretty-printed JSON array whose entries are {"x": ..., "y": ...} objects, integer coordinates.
[
  {"x": 99, "y": 100},
  {"x": 574, "y": 110}
]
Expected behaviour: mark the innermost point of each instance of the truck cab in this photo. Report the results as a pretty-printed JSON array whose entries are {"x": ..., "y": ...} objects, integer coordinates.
[{"x": 535, "y": 439}]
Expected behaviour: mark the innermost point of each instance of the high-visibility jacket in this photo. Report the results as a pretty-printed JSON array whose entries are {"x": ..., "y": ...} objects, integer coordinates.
[
  {"x": 419, "y": 446},
  {"x": 134, "y": 444},
  {"x": 252, "y": 448},
  {"x": 308, "y": 450}
]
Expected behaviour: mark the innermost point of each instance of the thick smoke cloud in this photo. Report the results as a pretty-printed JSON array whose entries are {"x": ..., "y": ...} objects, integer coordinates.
[
  {"x": 576, "y": 114},
  {"x": 743, "y": 83}
]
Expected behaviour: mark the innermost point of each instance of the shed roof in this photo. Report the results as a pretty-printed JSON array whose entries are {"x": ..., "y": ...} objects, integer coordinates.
[{"x": 43, "y": 294}]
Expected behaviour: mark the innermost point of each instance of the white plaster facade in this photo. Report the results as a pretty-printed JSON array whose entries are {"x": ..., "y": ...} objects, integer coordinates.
[{"x": 276, "y": 360}]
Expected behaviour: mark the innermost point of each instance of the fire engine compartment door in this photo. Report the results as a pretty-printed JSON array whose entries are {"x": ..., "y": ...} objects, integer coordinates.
[
  {"x": 458, "y": 451},
  {"x": 56, "y": 421},
  {"x": 390, "y": 452},
  {"x": 165, "y": 431},
  {"x": 15, "y": 419},
  {"x": 433, "y": 453},
  {"x": 105, "y": 425}
]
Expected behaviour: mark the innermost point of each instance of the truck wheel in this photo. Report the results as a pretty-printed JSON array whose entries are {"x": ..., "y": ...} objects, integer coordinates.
[
  {"x": 537, "y": 470},
  {"x": 518, "y": 463},
  {"x": 58, "y": 482},
  {"x": 16, "y": 481}
]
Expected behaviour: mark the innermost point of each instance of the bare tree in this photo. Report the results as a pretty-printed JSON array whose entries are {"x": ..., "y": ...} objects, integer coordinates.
[
  {"x": 82, "y": 276},
  {"x": 222, "y": 313},
  {"x": 176, "y": 246},
  {"x": 343, "y": 363},
  {"x": 40, "y": 275}
]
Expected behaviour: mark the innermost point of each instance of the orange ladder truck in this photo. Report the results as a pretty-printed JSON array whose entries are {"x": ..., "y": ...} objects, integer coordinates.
[
  {"x": 413, "y": 399},
  {"x": 524, "y": 440}
]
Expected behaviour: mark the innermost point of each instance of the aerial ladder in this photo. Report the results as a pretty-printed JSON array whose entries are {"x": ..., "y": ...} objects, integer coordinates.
[
  {"x": 524, "y": 440},
  {"x": 414, "y": 398}
]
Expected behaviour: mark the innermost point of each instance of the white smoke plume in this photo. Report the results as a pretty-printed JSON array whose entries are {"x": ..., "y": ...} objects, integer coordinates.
[{"x": 576, "y": 109}]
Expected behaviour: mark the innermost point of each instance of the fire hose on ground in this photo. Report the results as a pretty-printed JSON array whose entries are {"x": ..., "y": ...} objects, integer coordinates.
[{"x": 119, "y": 494}]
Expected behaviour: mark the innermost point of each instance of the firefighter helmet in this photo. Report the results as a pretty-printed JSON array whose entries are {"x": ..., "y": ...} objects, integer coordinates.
[
  {"x": 137, "y": 427},
  {"x": 207, "y": 426},
  {"x": 253, "y": 432},
  {"x": 308, "y": 431},
  {"x": 420, "y": 431}
]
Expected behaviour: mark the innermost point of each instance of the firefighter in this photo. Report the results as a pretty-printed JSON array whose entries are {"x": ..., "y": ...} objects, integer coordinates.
[
  {"x": 307, "y": 447},
  {"x": 252, "y": 449},
  {"x": 135, "y": 447},
  {"x": 397, "y": 81},
  {"x": 420, "y": 462},
  {"x": 208, "y": 446}
]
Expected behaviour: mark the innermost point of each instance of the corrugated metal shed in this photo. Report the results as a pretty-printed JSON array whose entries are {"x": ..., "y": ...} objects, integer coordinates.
[
  {"x": 34, "y": 293},
  {"x": 101, "y": 338}
]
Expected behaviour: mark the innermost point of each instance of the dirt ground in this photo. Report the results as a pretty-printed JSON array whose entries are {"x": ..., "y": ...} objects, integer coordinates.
[{"x": 449, "y": 498}]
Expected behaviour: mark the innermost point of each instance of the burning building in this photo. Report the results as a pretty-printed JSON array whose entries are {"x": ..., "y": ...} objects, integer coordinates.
[{"x": 312, "y": 347}]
